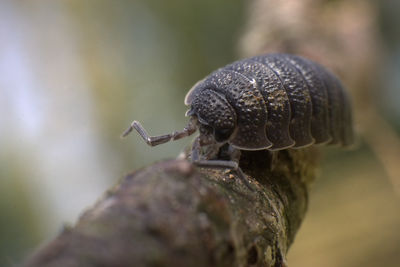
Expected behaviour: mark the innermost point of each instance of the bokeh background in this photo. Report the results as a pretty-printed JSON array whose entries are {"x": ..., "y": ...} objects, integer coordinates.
[{"x": 74, "y": 74}]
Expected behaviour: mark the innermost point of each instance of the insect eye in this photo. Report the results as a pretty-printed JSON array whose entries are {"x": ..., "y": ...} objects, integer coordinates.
[{"x": 222, "y": 135}]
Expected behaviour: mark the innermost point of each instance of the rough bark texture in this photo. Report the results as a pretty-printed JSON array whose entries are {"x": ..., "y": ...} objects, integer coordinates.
[{"x": 173, "y": 214}]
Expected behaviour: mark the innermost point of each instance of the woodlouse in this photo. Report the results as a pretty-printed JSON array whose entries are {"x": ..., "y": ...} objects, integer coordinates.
[{"x": 273, "y": 101}]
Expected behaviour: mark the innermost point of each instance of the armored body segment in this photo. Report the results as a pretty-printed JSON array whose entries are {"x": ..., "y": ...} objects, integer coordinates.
[
  {"x": 319, "y": 97},
  {"x": 248, "y": 104},
  {"x": 334, "y": 100},
  {"x": 192, "y": 92},
  {"x": 275, "y": 97},
  {"x": 299, "y": 98},
  {"x": 344, "y": 122}
]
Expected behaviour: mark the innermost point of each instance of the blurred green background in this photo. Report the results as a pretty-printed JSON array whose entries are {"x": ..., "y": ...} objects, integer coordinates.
[{"x": 74, "y": 74}]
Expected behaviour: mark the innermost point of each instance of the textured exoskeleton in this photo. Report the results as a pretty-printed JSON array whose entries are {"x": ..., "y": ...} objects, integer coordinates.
[{"x": 273, "y": 101}]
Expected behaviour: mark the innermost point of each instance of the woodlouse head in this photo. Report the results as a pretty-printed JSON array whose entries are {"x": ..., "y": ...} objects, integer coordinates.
[{"x": 215, "y": 116}]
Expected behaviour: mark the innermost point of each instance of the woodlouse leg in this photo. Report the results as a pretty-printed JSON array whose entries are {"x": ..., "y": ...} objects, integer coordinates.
[
  {"x": 161, "y": 139},
  {"x": 225, "y": 164},
  {"x": 232, "y": 165},
  {"x": 196, "y": 150}
]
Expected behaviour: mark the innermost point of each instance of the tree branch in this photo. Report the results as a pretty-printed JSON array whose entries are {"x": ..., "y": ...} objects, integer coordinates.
[{"x": 173, "y": 214}]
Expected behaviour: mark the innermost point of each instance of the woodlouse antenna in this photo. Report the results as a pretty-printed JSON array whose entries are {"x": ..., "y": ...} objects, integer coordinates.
[{"x": 160, "y": 139}]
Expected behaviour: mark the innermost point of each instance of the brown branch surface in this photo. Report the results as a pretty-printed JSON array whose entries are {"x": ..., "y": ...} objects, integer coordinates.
[{"x": 173, "y": 214}]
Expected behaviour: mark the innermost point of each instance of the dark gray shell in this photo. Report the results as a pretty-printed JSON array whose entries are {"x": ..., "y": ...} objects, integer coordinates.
[{"x": 274, "y": 101}]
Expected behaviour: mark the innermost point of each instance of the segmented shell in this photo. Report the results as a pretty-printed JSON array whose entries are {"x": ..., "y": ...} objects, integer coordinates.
[{"x": 277, "y": 101}]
